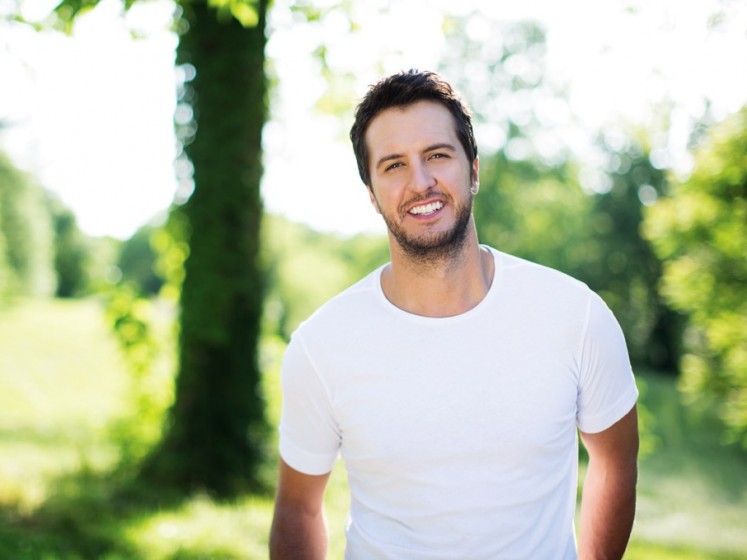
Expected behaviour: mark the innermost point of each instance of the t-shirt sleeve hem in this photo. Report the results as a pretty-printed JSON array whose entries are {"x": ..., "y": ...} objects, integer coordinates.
[
  {"x": 305, "y": 462},
  {"x": 601, "y": 422}
]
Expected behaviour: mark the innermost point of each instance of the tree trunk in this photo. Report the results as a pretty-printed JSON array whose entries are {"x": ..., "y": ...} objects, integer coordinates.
[{"x": 216, "y": 432}]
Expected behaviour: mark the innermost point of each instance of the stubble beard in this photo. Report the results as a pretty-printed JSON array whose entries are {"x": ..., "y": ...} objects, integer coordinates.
[{"x": 433, "y": 248}]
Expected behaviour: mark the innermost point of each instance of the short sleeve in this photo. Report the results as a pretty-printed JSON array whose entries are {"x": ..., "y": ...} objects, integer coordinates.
[
  {"x": 309, "y": 437},
  {"x": 607, "y": 389}
]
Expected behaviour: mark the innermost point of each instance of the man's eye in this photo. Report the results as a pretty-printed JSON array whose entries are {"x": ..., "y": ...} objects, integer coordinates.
[
  {"x": 394, "y": 165},
  {"x": 438, "y": 156}
]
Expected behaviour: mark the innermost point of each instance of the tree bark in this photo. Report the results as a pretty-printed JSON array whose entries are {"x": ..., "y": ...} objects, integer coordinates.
[{"x": 216, "y": 431}]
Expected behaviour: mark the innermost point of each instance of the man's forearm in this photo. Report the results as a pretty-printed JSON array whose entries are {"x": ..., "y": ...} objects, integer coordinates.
[
  {"x": 607, "y": 512},
  {"x": 297, "y": 536}
]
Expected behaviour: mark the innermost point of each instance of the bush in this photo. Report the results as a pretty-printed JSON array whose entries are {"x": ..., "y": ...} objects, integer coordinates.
[{"x": 700, "y": 231}]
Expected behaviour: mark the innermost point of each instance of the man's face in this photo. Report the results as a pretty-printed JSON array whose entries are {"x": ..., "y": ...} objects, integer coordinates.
[{"x": 421, "y": 178}]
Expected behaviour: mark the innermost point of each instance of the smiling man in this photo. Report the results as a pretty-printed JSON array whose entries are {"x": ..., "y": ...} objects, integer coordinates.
[{"x": 455, "y": 379}]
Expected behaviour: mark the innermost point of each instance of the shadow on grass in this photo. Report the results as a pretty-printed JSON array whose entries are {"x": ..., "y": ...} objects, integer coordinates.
[
  {"x": 94, "y": 515},
  {"x": 83, "y": 518}
]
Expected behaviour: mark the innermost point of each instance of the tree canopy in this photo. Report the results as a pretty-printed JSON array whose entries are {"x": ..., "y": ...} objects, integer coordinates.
[{"x": 700, "y": 231}]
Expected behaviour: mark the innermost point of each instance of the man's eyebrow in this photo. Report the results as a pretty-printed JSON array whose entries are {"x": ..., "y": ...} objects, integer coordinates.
[
  {"x": 432, "y": 148},
  {"x": 441, "y": 146},
  {"x": 388, "y": 157}
]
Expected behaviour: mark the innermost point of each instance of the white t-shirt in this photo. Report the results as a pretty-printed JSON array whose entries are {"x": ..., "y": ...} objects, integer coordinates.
[{"x": 458, "y": 434}]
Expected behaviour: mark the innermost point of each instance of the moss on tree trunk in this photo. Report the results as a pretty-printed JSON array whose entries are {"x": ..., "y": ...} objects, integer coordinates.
[{"x": 216, "y": 431}]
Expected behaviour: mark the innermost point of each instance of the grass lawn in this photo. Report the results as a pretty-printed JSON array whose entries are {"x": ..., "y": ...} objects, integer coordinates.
[{"x": 63, "y": 384}]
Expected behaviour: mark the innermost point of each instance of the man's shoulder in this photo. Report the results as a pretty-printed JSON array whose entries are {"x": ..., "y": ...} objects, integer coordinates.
[
  {"x": 522, "y": 271},
  {"x": 351, "y": 305},
  {"x": 532, "y": 286}
]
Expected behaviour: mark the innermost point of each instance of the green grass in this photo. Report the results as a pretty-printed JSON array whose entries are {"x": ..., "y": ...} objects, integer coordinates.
[
  {"x": 693, "y": 487},
  {"x": 63, "y": 383}
]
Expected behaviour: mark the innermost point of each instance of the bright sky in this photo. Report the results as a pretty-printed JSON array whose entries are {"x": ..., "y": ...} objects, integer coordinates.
[{"x": 91, "y": 115}]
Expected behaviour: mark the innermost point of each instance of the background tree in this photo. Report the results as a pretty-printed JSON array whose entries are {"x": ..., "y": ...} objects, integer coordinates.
[
  {"x": 618, "y": 262},
  {"x": 42, "y": 251},
  {"x": 216, "y": 429},
  {"x": 26, "y": 235},
  {"x": 72, "y": 252},
  {"x": 137, "y": 259},
  {"x": 532, "y": 211},
  {"x": 700, "y": 231}
]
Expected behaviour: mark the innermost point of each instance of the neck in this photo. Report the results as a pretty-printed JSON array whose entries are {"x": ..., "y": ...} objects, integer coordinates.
[{"x": 441, "y": 287}]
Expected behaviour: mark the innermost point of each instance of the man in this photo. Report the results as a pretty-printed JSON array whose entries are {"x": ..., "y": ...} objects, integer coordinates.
[{"x": 453, "y": 380}]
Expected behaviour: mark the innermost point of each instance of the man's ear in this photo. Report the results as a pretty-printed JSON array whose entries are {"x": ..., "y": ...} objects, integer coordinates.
[{"x": 475, "y": 176}]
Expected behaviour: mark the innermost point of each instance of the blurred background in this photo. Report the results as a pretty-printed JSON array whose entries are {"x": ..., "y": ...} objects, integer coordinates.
[{"x": 177, "y": 193}]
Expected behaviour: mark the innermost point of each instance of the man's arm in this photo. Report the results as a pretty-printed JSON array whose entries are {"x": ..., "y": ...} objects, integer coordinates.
[
  {"x": 608, "y": 502},
  {"x": 299, "y": 529}
]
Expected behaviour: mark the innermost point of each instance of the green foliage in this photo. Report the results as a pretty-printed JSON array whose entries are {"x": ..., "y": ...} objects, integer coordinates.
[
  {"x": 305, "y": 268},
  {"x": 532, "y": 211},
  {"x": 26, "y": 234},
  {"x": 137, "y": 262},
  {"x": 245, "y": 11},
  {"x": 72, "y": 253},
  {"x": 171, "y": 249},
  {"x": 42, "y": 250},
  {"x": 102, "y": 271},
  {"x": 142, "y": 344},
  {"x": 541, "y": 213},
  {"x": 700, "y": 231},
  {"x": 619, "y": 263},
  {"x": 144, "y": 325}
]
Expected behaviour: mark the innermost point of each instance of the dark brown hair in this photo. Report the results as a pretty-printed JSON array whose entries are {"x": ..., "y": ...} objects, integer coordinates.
[{"x": 403, "y": 89}]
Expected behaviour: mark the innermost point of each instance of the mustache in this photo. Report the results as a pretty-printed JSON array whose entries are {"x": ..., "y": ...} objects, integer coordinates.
[{"x": 430, "y": 193}]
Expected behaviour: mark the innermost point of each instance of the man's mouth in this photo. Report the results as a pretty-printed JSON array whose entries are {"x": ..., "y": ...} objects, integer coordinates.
[{"x": 425, "y": 209}]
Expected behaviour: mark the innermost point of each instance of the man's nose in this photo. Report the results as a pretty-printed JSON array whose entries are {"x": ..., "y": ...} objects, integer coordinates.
[{"x": 422, "y": 178}]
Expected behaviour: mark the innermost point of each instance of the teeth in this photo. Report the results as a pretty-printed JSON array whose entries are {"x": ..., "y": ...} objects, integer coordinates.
[{"x": 427, "y": 208}]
